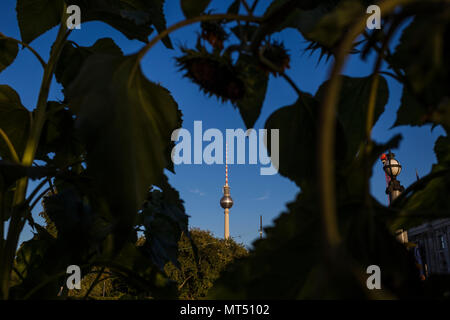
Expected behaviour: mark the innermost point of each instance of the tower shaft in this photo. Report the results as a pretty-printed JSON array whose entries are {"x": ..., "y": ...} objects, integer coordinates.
[{"x": 227, "y": 224}]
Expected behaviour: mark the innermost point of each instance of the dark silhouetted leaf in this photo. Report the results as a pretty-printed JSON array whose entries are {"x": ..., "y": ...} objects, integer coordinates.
[
  {"x": 38, "y": 16},
  {"x": 410, "y": 111},
  {"x": 323, "y": 23},
  {"x": 126, "y": 123},
  {"x": 255, "y": 81},
  {"x": 429, "y": 200},
  {"x": 165, "y": 221},
  {"x": 298, "y": 131},
  {"x": 353, "y": 105},
  {"x": 72, "y": 58},
  {"x": 234, "y": 7},
  {"x": 442, "y": 150},
  {"x": 59, "y": 137},
  {"x": 14, "y": 121},
  {"x": 133, "y": 18},
  {"x": 425, "y": 96},
  {"x": 425, "y": 38},
  {"x": 330, "y": 25},
  {"x": 193, "y": 8},
  {"x": 8, "y": 52},
  {"x": 298, "y": 135}
]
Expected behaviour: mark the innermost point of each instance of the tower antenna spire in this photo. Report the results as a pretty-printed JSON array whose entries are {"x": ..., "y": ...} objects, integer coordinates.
[
  {"x": 226, "y": 164},
  {"x": 260, "y": 227}
]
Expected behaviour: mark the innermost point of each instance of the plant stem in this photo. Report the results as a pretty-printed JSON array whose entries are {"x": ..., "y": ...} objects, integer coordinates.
[
  {"x": 41, "y": 195},
  {"x": 17, "y": 221},
  {"x": 8, "y": 142},
  {"x": 255, "y": 3},
  {"x": 326, "y": 174},
  {"x": 247, "y": 7},
  {"x": 375, "y": 81}
]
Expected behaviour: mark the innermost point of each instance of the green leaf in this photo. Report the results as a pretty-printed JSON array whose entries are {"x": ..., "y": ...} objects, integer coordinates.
[
  {"x": 126, "y": 123},
  {"x": 353, "y": 174},
  {"x": 353, "y": 107},
  {"x": 14, "y": 121},
  {"x": 165, "y": 221},
  {"x": 330, "y": 28},
  {"x": 193, "y": 8},
  {"x": 429, "y": 199},
  {"x": 298, "y": 136},
  {"x": 8, "y": 52},
  {"x": 80, "y": 229},
  {"x": 426, "y": 39},
  {"x": 35, "y": 17},
  {"x": 133, "y": 18},
  {"x": 410, "y": 112},
  {"x": 301, "y": 15},
  {"x": 10, "y": 172},
  {"x": 323, "y": 23},
  {"x": 59, "y": 137},
  {"x": 255, "y": 81},
  {"x": 425, "y": 96},
  {"x": 426, "y": 204},
  {"x": 73, "y": 56},
  {"x": 442, "y": 150}
]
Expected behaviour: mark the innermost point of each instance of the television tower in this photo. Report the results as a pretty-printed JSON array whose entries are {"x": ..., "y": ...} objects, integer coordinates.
[{"x": 226, "y": 202}]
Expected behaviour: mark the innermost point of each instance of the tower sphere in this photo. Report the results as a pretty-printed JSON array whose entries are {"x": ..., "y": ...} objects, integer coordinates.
[{"x": 226, "y": 202}]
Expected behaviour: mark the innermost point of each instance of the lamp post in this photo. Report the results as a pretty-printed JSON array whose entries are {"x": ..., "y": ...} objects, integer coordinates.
[{"x": 392, "y": 168}]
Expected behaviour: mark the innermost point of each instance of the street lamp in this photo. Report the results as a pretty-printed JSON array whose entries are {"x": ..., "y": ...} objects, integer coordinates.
[{"x": 392, "y": 168}]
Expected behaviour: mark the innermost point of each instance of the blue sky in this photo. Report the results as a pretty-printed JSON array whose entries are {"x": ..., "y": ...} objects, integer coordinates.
[{"x": 201, "y": 185}]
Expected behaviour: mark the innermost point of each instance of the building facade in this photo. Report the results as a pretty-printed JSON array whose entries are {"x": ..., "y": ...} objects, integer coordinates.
[{"x": 433, "y": 240}]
